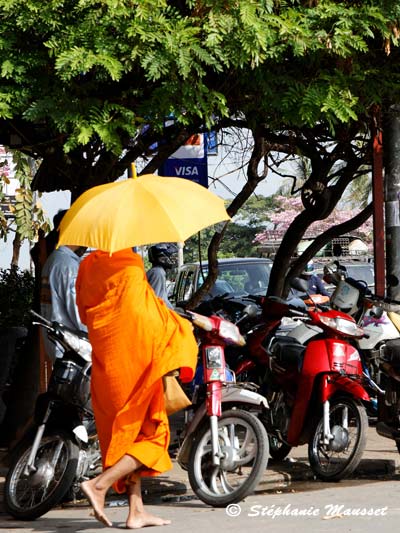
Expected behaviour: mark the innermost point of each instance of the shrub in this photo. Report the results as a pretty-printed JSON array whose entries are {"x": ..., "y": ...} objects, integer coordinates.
[{"x": 16, "y": 297}]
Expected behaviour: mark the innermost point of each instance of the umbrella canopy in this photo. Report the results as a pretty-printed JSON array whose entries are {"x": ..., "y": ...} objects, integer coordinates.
[{"x": 139, "y": 211}]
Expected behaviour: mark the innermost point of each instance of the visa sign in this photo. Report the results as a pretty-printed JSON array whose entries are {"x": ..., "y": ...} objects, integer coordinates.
[{"x": 189, "y": 161}]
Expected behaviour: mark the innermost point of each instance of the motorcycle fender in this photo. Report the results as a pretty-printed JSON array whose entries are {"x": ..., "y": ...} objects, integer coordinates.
[
  {"x": 231, "y": 395},
  {"x": 332, "y": 384},
  {"x": 242, "y": 396}
]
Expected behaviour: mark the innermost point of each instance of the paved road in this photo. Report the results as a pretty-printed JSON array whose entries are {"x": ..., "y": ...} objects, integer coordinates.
[
  {"x": 357, "y": 506},
  {"x": 288, "y": 497}
]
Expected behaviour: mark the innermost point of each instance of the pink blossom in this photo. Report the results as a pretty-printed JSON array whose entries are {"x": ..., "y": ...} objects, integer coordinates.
[{"x": 290, "y": 207}]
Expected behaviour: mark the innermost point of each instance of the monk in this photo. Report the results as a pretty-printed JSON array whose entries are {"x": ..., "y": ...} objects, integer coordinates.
[{"x": 136, "y": 339}]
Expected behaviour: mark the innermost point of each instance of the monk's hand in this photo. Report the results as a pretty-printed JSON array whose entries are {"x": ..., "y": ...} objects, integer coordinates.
[{"x": 173, "y": 373}]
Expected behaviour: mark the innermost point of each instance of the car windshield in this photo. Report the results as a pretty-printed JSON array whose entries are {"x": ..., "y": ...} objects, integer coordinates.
[
  {"x": 361, "y": 272},
  {"x": 242, "y": 278}
]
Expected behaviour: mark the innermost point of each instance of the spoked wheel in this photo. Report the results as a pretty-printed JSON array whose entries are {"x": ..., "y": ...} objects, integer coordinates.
[
  {"x": 278, "y": 450},
  {"x": 243, "y": 450},
  {"x": 340, "y": 457},
  {"x": 30, "y": 495}
]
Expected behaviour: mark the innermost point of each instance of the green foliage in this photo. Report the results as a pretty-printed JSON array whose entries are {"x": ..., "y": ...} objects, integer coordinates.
[
  {"x": 26, "y": 214},
  {"x": 359, "y": 192},
  {"x": 97, "y": 70},
  {"x": 256, "y": 211},
  {"x": 239, "y": 235},
  {"x": 16, "y": 297},
  {"x": 237, "y": 242}
]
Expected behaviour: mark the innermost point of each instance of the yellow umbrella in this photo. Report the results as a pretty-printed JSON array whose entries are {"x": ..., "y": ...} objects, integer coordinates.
[{"x": 144, "y": 210}]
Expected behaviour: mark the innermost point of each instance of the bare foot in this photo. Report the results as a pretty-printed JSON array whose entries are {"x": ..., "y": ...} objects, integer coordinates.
[
  {"x": 145, "y": 519},
  {"x": 96, "y": 499}
]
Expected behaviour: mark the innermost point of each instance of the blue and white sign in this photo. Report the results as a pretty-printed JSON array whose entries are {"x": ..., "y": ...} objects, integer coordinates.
[{"x": 189, "y": 161}]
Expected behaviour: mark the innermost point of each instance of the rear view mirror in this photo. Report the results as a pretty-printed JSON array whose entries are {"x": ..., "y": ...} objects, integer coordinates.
[
  {"x": 299, "y": 284},
  {"x": 333, "y": 274},
  {"x": 376, "y": 311}
]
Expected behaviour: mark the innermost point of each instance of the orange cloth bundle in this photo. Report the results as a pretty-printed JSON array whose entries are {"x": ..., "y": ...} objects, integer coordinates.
[{"x": 136, "y": 340}]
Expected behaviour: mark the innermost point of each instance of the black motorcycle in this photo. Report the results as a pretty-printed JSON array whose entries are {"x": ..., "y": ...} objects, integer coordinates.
[{"x": 62, "y": 449}]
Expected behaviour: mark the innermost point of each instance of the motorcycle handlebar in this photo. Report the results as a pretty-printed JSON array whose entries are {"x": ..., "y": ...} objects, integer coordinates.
[
  {"x": 388, "y": 304},
  {"x": 41, "y": 318},
  {"x": 297, "y": 312},
  {"x": 201, "y": 321}
]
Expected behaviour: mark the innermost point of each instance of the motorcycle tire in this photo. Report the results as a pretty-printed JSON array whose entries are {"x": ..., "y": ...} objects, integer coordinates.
[
  {"x": 243, "y": 462},
  {"x": 28, "y": 497},
  {"x": 325, "y": 461},
  {"x": 278, "y": 450}
]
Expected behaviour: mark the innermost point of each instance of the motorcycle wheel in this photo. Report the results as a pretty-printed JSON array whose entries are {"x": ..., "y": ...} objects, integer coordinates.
[
  {"x": 341, "y": 457},
  {"x": 28, "y": 497},
  {"x": 278, "y": 450},
  {"x": 244, "y": 452}
]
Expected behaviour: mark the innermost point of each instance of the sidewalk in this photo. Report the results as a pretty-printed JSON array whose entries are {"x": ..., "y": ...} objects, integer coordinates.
[{"x": 381, "y": 460}]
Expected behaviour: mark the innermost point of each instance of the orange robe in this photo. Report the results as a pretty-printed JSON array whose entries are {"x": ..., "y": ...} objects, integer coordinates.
[{"x": 136, "y": 339}]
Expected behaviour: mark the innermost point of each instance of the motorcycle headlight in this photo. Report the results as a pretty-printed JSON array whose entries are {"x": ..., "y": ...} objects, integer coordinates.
[
  {"x": 343, "y": 326},
  {"x": 214, "y": 357},
  {"x": 231, "y": 333},
  {"x": 80, "y": 345}
]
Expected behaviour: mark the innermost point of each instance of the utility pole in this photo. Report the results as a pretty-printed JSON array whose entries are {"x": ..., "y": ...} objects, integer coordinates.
[
  {"x": 391, "y": 142},
  {"x": 378, "y": 204}
]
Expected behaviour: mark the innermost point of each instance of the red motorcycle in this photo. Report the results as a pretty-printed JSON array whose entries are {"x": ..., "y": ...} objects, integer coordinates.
[
  {"x": 225, "y": 446},
  {"x": 314, "y": 386}
]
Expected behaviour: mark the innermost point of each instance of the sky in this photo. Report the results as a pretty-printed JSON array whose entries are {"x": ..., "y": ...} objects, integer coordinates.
[{"x": 52, "y": 203}]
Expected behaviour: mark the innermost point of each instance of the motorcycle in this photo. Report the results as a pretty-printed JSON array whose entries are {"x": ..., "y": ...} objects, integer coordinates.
[
  {"x": 225, "y": 446},
  {"x": 316, "y": 393},
  {"x": 62, "y": 449},
  {"x": 380, "y": 348},
  {"x": 313, "y": 384}
]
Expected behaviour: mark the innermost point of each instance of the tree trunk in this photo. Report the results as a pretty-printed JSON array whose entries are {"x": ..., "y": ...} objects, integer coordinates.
[{"x": 16, "y": 250}]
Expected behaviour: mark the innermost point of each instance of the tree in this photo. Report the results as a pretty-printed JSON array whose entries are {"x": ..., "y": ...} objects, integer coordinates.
[
  {"x": 288, "y": 208},
  {"x": 20, "y": 214},
  {"x": 86, "y": 87},
  {"x": 239, "y": 238}
]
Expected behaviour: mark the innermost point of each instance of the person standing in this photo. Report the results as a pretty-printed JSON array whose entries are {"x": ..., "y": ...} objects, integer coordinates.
[
  {"x": 136, "y": 340},
  {"x": 163, "y": 257},
  {"x": 58, "y": 294}
]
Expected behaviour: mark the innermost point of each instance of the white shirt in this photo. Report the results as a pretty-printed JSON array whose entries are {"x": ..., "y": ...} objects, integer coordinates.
[{"x": 58, "y": 294}]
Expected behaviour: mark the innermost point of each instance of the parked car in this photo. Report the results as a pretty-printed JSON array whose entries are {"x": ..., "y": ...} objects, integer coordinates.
[
  {"x": 361, "y": 271},
  {"x": 236, "y": 276}
]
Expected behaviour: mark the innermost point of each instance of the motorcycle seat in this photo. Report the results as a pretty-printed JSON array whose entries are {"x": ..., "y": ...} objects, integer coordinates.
[{"x": 288, "y": 352}]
